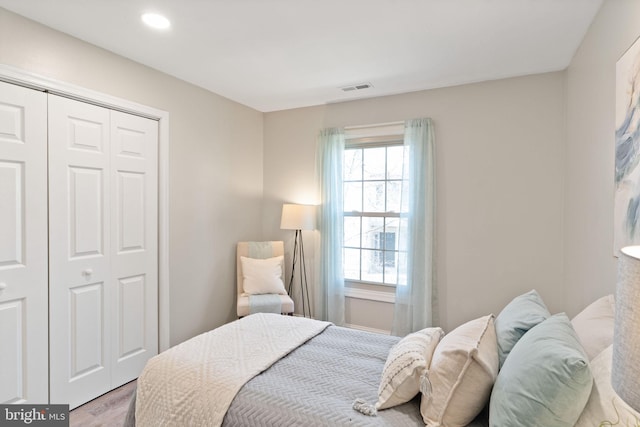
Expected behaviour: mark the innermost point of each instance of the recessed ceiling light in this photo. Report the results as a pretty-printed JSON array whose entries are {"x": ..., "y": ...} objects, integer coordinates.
[{"x": 155, "y": 20}]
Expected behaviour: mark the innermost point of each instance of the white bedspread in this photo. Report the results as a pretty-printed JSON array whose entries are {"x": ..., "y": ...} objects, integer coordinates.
[{"x": 193, "y": 383}]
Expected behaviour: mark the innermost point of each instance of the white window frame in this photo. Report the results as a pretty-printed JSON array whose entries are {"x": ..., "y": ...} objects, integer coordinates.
[{"x": 375, "y": 136}]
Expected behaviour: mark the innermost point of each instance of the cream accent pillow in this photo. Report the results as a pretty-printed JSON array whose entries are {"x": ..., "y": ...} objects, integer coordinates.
[
  {"x": 406, "y": 362},
  {"x": 262, "y": 276},
  {"x": 605, "y": 407},
  {"x": 463, "y": 369},
  {"x": 594, "y": 325}
]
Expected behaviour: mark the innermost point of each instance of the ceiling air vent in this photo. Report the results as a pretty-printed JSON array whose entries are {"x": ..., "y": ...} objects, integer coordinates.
[{"x": 359, "y": 86}]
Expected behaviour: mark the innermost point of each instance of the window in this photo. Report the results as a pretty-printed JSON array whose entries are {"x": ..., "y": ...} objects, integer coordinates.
[{"x": 372, "y": 180}]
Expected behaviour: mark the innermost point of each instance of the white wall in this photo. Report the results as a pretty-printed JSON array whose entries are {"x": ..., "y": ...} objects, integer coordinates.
[
  {"x": 499, "y": 148},
  {"x": 525, "y": 173},
  {"x": 215, "y": 173},
  {"x": 590, "y": 267},
  {"x": 525, "y": 179}
]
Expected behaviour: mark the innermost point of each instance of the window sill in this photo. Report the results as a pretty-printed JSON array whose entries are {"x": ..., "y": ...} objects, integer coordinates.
[{"x": 370, "y": 295}]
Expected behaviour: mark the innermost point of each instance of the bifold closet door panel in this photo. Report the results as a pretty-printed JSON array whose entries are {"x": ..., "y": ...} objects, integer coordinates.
[
  {"x": 103, "y": 216},
  {"x": 134, "y": 237},
  {"x": 23, "y": 246},
  {"x": 80, "y": 295}
]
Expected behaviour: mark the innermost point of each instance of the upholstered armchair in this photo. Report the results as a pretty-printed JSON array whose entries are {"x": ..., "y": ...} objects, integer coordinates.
[{"x": 260, "y": 278}]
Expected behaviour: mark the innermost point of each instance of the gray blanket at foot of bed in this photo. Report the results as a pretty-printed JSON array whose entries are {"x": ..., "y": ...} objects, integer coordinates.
[{"x": 317, "y": 383}]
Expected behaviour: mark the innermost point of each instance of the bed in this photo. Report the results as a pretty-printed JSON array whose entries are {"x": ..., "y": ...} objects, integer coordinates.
[
  {"x": 316, "y": 383},
  {"x": 315, "y": 378}
]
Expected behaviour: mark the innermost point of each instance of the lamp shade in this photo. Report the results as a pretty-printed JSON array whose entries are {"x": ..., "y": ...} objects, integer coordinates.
[
  {"x": 298, "y": 217},
  {"x": 626, "y": 333}
]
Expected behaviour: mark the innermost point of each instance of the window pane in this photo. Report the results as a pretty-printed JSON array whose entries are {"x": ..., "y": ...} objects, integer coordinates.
[
  {"x": 394, "y": 161},
  {"x": 373, "y": 196},
  {"x": 351, "y": 264},
  {"x": 352, "y": 164},
  {"x": 372, "y": 265},
  {"x": 390, "y": 268},
  {"x": 372, "y": 232},
  {"x": 391, "y": 227},
  {"x": 389, "y": 240},
  {"x": 374, "y": 163},
  {"x": 393, "y": 196},
  {"x": 352, "y": 196},
  {"x": 352, "y": 231}
]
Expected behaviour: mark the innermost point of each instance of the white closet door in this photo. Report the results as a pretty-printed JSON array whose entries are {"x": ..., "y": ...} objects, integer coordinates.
[
  {"x": 23, "y": 245},
  {"x": 134, "y": 248},
  {"x": 103, "y": 216},
  {"x": 79, "y": 250}
]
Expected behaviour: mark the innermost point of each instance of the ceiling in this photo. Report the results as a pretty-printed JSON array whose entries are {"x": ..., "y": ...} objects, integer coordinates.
[{"x": 280, "y": 54}]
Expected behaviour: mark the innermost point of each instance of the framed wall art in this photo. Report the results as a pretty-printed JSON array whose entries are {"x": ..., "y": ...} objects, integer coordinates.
[{"x": 627, "y": 150}]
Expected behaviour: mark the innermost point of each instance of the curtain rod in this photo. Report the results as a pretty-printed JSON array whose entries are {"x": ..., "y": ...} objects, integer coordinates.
[{"x": 374, "y": 125}]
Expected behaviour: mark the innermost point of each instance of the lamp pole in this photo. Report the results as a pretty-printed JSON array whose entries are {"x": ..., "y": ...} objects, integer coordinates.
[
  {"x": 298, "y": 218},
  {"x": 298, "y": 257}
]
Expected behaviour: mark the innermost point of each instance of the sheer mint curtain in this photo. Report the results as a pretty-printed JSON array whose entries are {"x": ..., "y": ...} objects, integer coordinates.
[
  {"x": 415, "y": 306},
  {"x": 330, "y": 290}
]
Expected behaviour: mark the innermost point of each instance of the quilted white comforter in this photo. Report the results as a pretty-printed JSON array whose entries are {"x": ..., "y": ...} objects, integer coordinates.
[{"x": 194, "y": 382}]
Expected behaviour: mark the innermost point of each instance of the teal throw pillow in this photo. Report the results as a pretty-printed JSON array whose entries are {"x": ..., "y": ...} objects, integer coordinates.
[
  {"x": 545, "y": 381},
  {"x": 521, "y": 314}
]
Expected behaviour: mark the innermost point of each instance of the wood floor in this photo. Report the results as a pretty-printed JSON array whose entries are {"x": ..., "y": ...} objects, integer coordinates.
[{"x": 107, "y": 410}]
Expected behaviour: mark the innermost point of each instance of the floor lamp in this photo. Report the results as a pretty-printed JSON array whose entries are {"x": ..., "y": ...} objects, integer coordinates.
[{"x": 298, "y": 218}]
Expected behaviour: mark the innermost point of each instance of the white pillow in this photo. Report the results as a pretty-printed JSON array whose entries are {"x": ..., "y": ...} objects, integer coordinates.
[
  {"x": 262, "y": 276},
  {"x": 463, "y": 369},
  {"x": 594, "y": 325},
  {"x": 605, "y": 407},
  {"x": 405, "y": 364}
]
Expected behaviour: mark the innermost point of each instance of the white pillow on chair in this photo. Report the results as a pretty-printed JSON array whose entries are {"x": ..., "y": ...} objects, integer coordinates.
[{"x": 262, "y": 276}]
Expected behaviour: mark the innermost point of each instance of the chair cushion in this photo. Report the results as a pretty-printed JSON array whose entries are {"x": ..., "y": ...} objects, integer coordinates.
[{"x": 243, "y": 308}]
